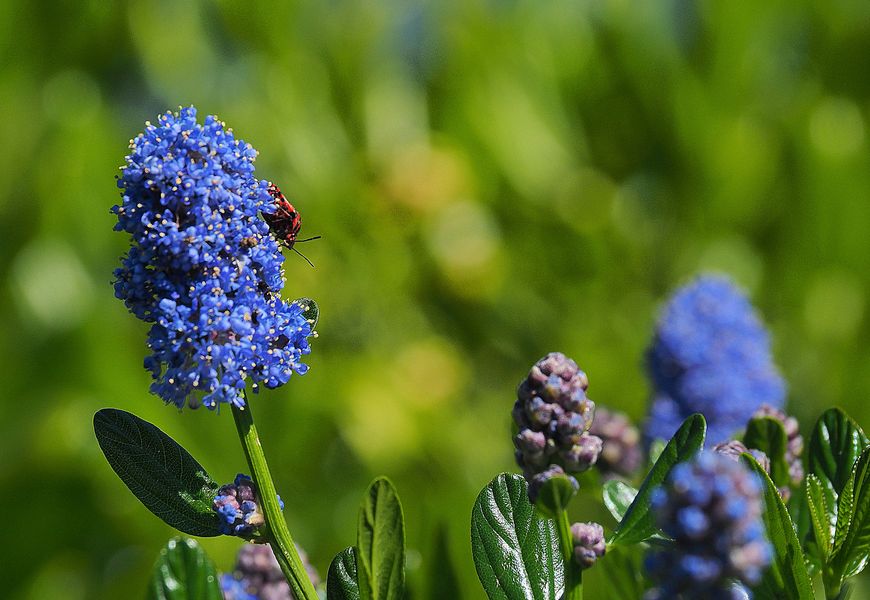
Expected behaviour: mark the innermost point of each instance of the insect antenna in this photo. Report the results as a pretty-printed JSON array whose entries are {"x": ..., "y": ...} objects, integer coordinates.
[
  {"x": 303, "y": 256},
  {"x": 316, "y": 237}
]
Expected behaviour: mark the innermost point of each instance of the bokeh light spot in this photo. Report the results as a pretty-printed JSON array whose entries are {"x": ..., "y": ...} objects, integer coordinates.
[{"x": 52, "y": 284}]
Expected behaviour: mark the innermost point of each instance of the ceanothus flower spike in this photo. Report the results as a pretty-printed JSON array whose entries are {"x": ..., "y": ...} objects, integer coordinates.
[
  {"x": 710, "y": 355},
  {"x": 711, "y": 508},
  {"x": 203, "y": 268}
]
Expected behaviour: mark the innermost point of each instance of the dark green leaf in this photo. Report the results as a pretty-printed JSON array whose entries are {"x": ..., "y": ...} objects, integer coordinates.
[
  {"x": 341, "y": 582},
  {"x": 555, "y": 495},
  {"x": 852, "y": 540},
  {"x": 183, "y": 571},
  {"x": 618, "y": 496},
  {"x": 787, "y": 576},
  {"x": 768, "y": 435},
  {"x": 835, "y": 445},
  {"x": 310, "y": 310},
  {"x": 381, "y": 543},
  {"x": 638, "y": 524},
  {"x": 822, "y": 518},
  {"x": 162, "y": 474},
  {"x": 515, "y": 548}
]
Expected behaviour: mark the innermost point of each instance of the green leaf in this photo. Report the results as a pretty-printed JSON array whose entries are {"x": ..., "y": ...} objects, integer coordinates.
[
  {"x": 618, "y": 496},
  {"x": 845, "y": 511},
  {"x": 183, "y": 571},
  {"x": 768, "y": 435},
  {"x": 555, "y": 495},
  {"x": 341, "y": 582},
  {"x": 823, "y": 520},
  {"x": 310, "y": 310},
  {"x": 515, "y": 548},
  {"x": 655, "y": 450},
  {"x": 787, "y": 576},
  {"x": 637, "y": 523},
  {"x": 162, "y": 474},
  {"x": 835, "y": 445},
  {"x": 381, "y": 543},
  {"x": 852, "y": 540},
  {"x": 623, "y": 570}
]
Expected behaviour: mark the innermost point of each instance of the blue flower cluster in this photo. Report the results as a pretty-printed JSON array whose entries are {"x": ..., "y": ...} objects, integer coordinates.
[
  {"x": 257, "y": 575},
  {"x": 711, "y": 508},
  {"x": 203, "y": 268},
  {"x": 710, "y": 355},
  {"x": 553, "y": 417},
  {"x": 238, "y": 507}
]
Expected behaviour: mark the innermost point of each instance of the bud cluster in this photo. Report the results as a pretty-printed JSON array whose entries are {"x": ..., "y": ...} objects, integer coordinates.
[
  {"x": 589, "y": 543},
  {"x": 553, "y": 416},
  {"x": 238, "y": 506},
  {"x": 621, "y": 454}
]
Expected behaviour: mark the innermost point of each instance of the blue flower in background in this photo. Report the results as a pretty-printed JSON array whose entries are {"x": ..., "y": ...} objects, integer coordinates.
[
  {"x": 258, "y": 576},
  {"x": 711, "y": 508},
  {"x": 235, "y": 589},
  {"x": 203, "y": 268},
  {"x": 710, "y": 355}
]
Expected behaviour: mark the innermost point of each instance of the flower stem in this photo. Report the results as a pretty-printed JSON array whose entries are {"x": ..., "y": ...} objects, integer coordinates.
[
  {"x": 275, "y": 529},
  {"x": 573, "y": 571}
]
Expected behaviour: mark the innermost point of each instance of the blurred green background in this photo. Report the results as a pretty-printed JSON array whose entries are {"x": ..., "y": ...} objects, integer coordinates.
[{"x": 493, "y": 180}]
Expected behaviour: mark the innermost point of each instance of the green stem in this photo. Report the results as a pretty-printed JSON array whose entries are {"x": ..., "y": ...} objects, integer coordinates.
[
  {"x": 573, "y": 572},
  {"x": 275, "y": 529}
]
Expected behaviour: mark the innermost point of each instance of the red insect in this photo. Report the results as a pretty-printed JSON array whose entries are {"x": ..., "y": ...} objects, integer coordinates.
[{"x": 286, "y": 221}]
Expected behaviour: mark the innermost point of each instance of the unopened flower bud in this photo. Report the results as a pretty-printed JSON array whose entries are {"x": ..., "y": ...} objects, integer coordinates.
[
  {"x": 537, "y": 481},
  {"x": 589, "y": 544},
  {"x": 734, "y": 448},
  {"x": 583, "y": 454}
]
